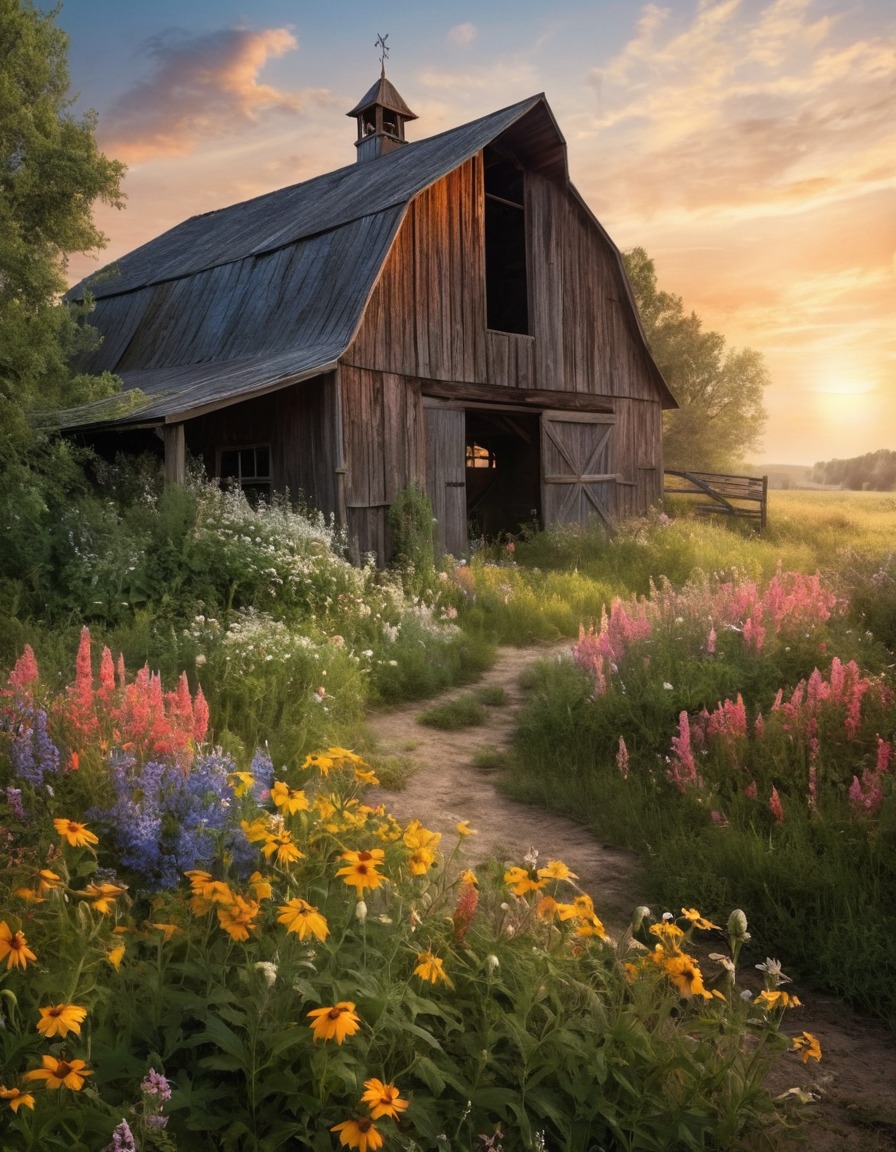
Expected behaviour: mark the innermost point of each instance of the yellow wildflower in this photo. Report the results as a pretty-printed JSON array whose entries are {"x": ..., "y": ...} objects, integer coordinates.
[
  {"x": 556, "y": 870},
  {"x": 60, "y": 1019},
  {"x": 697, "y": 920},
  {"x": 431, "y": 968},
  {"x": 361, "y": 1133},
  {"x": 775, "y": 998},
  {"x": 78, "y": 835},
  {"x": 61, "y": 1073},
  {"x": 14, "y": 948},
  {"x": 289, "y": 800},
  {"x": 17, "y": 1098},
  {"x": 335, "y": 1023},
  {"x": 301, "y": 917},
  {"x": 807, "y": 1046},
  {"x": 520, "y": 881},
  {"x": 238, "y": 919},
  {"x": 383, "y": 1099}
]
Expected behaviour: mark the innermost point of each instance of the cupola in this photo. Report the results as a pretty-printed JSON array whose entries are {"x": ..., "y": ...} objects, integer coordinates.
[{"x": 381, "y": 114}]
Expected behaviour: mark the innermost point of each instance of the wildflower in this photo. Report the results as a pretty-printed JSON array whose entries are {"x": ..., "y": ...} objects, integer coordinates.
[
  {"x": 420, "y": 860},
  {"x": 684, "y": 972},
  {"x": 520, "y": 881},
  {"x": 807, "y": 1046},
  {"x": 360, "y": 911},
  {"x": 155, "y": 1084},
  {"x": 556, "y": 870},
  {"x": 622, "y": 759},
  {"x": 360, "y": 871},
  {"x": 240, "y": 782},
  {"x": 383, "y": 1099},
  {"x": 238, "y": 919},
  {"x": 774, "y": 804},
  {"x": 546, "y": 908},
  {"x": 17, "y": 1098},
  {"x": 431, "y": 968},
  {"x": 268, "y": 971},
  {"x": 122, "y": 1139},
  {"x": 468, "y": 877},
  {"x": 670, "y": 935},
  {"x": 317, "y": 760},
  {"x": 492, "y": 963},
  {"x": 103, "y": 896},
  {"x": 773, "y": 969},
  {"x": 60, "y": 1019},
  {"x": 697, "y": 920},
  {"x": 14, "y": 947},
  {"x": 61, "y": 1073},
  {"x": 769, "y": 998},
  {"x": 464, "y": 911},
  {"x": 334, "y": 1023},
  {"x": 361, "y": 1134},
  {"x": 737, "y": 925},
  {"x": 591, "y": 925},
  {"x": 78, "y": 835},
  {"x": 261, "y": 889},
  {"x": 167, "y": 930},
  {"x": 115, "y": 953},
  {"x": 299, "y": 916},
  {"x": 464, "y": 829},
  {"x": 282, "y": 844},
  {"x": 288, "y": 800}
]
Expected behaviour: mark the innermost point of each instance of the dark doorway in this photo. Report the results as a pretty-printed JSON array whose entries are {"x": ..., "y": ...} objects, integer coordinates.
[{"x": 502, "y": 472}]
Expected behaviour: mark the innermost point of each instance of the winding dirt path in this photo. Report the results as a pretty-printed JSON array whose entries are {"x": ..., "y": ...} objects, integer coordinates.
[{"x": 854, "y": 1086}]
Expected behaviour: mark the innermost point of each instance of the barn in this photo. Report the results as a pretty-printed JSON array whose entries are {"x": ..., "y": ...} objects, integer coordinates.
[{"x": 446, "y": 312}]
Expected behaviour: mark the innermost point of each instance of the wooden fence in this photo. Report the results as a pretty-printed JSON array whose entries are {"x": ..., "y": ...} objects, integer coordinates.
[{"x": 719, "y": 494}]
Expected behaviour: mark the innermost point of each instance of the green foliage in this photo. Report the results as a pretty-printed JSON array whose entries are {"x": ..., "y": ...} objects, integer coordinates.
[
  {"x": 874, "y": 471},
  {"x": 463, "y": 712},
  {"x": 51, "y": 173},
  {"x": 411, "y": 520},
  {"x": 719, "y": 390}
]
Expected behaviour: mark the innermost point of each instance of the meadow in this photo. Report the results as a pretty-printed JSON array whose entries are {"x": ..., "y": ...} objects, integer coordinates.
[{"x": 208, "y": 940}]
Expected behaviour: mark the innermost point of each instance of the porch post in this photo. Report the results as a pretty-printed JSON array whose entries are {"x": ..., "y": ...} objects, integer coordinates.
[{"x": 175, "y": 453}]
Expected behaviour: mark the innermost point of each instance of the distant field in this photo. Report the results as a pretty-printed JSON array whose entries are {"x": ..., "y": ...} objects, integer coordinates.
[{"x": 865, "y": 521}]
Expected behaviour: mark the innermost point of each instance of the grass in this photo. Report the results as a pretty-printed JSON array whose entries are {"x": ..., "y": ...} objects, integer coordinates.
[
  {"x": 488, "y": 758},
  {"x": 492, "y": 695},
  {"x": 463, "y": 712}
]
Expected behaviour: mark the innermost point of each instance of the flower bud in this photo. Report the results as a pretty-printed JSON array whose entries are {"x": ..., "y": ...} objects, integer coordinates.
[
  {"x": 640, "y": 914},
  {"x": 737, "y": 925},
  {"x": 492, "y": 963},
  {"x": 361, "y": 911}
]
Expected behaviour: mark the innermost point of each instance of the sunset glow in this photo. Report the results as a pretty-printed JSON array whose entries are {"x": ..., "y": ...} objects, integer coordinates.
[{"x": 747, "y": 145}]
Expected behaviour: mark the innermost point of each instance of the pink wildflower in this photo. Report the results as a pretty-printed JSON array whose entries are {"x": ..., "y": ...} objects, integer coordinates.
[
  {"x": 24, "y": 675},
  {"x": 711, "y": 641},
  {"x": 884, "y": 751},
  {"x": 622, "y": 759},
  {"x": 751, "y": 791},
  {"x": 200, "y": 716},
  {"x": 774, "y": 804},
  {"x": 682, "y": 770}
]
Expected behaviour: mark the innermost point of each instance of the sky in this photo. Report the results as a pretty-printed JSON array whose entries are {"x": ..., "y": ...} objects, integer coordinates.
[{"x": 748, "y": 145}]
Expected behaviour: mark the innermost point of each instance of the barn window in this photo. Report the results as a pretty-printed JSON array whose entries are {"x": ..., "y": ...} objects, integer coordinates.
[
  {"x": 506, "y": 285},
  {"x": 480, "y": 456},
  {"x": 247, "y": 468}
]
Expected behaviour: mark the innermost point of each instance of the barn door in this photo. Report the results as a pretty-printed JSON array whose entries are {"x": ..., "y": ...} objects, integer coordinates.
[
  {"x": 446, "y": 483},
  {"x": 577, "y": 484}
]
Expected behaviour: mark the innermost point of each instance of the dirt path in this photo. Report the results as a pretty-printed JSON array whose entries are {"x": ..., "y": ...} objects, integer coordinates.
[{"x": 854, "y": 1086}]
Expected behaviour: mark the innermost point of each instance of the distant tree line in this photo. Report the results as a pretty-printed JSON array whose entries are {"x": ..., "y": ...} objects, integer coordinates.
[{"x": 874, "y": 472}]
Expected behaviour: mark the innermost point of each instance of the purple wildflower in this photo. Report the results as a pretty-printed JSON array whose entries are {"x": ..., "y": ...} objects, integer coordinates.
[
  {"x": 14, "y": 800},
  {"x": 32, "y": 752},
  {"x": 155, "y": 1084},
  {"x": 122, "y": 1139}
]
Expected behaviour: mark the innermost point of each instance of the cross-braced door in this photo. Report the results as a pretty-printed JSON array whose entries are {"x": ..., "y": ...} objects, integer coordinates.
[{"x": 577, "y": 483}]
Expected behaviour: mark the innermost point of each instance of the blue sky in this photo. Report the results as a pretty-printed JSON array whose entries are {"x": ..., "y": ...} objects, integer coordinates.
[{"x": 746, "y": 144}]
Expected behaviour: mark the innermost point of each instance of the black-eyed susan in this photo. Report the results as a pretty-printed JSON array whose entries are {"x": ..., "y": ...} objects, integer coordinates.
[
  {"x": 78, "y": 835},
  {"x": 260, "y": 887},
  {"x": 463, "y": 829},
  {"x": 360, "y": 870},
  {"x": 334, "y": 1023},
  {"x": 520, "y": 881},
  {"x": 383, "y": 1099},
  {"x": 669, "y": 934},
  {"x": 239, "y": 917},
  {"x": 361, "y": 1134},
  {"x": 684, "y": 972},
  {"x": 60, "y": 1019},
  {"x": 14, "y": 947},
  {"x": 16, "y": 1098},
  {"x": 301, "y": 917},
  {"x": 103, "y": 897},
  {"x": 556, "y": 870},
  {"x": 420, "y": 860},
  {"x": 60, "y": 1073},
  {"x": 807, "y": 1045},
  {"x": 288, "y": 800},
  {"x": 694, "y": 917},
  {"x": 319, "y": 762},
  {"x": 431, "y": 968},
  {"x": 775, "y": 998},
  {"x": 281, "y": 845}
]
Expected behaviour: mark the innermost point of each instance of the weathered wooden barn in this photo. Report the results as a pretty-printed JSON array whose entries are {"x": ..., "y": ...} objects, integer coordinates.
[{"x": 447, "y": 311}]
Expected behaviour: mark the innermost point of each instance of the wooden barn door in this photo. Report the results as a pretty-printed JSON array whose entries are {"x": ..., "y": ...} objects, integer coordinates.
[
  {"x": 446, "y": 482},
  {"x": 577, "y": 484}
]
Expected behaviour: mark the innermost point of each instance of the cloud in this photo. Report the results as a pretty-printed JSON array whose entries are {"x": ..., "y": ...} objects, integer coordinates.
[
  {"x": 728, "y": 110},
  {"x": 199, "y": 87},
  {"x": 462, "y": 34}
]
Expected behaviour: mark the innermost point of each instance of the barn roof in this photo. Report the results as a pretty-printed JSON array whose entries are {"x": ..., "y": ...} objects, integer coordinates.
[{"x": 260, "y": 295}]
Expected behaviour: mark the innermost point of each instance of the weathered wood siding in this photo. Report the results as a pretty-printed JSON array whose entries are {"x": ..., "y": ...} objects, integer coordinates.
[
  {"x": 383, "y": 439},
  {"x": 446, "y": 474},
  {"x": 584, "y": 340},
  {"x": 426, "y": 315},
  {"x": 299, "y": 423}
]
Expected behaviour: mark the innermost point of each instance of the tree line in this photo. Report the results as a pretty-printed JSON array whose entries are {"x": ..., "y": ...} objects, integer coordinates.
[{"x": 873, "y": 472}]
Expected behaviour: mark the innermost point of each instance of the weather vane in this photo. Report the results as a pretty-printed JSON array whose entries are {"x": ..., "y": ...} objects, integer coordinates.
[{"x": 380, "y": 43}]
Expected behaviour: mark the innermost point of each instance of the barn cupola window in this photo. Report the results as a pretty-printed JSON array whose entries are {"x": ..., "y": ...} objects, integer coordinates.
[
  {"x": 506, "y": 282},
  {"x": 381, "y": 115}
]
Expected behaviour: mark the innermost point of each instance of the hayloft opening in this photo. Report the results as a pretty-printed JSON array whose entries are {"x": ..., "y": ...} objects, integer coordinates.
[
  {"x": 502, "y": 472},
  {"x": 506, "y": 282}
]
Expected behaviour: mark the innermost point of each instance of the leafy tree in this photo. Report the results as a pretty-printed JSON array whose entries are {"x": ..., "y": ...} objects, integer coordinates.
[
  {"x": 719, "y": 389},
  {"x": 51, "y": 173}
]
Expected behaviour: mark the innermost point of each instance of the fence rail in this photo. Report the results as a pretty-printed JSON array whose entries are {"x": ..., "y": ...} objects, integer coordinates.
[{"x": 720, "y": 494}]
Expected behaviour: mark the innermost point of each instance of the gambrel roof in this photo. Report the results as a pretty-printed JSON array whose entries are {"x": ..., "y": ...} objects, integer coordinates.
[{"x": 263, "y": 294}]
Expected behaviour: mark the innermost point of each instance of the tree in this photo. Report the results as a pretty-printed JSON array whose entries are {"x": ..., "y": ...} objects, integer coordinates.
[
  {"x": 719, "y": 390},
  {"x": 51, "y": 173}
]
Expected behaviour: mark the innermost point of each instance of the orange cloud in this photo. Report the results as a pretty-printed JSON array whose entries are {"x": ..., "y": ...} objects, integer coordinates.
[{"x": 200, "y": 86}]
